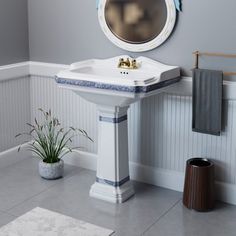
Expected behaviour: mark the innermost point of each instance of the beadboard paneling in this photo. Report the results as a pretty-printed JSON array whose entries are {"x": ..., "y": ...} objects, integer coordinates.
[
  {"x": 67, "y": 106},
  {"x": 14, "y": 111},
  {"x": 159, "y": 128},
  {"x": 160, "y": 136}
]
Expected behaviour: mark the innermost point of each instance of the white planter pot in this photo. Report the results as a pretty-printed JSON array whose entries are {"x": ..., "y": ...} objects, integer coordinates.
[{"x": 51, "y": 171}]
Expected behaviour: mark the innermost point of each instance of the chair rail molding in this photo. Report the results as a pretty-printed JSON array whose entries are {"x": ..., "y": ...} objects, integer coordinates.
[
  {"x": 13, "y": 71},
  {"x": 29, "y": 68}
]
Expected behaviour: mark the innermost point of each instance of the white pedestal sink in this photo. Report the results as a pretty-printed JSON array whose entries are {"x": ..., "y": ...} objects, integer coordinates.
[{"x": 113, "y": 90}]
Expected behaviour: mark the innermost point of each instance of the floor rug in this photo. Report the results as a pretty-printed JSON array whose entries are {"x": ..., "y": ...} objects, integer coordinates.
[{"x": 42, "y": 222}]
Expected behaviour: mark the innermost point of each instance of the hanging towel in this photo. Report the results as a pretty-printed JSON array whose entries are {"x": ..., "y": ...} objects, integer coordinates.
[{"x": 207, "y": 101}]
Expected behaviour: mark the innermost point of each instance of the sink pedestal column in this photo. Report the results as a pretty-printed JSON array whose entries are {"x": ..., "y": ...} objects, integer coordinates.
[{"x": 112, "y": 180}]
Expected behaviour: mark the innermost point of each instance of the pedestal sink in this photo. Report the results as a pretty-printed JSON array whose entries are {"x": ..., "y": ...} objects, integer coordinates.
[{"x": 113, "y": 89}]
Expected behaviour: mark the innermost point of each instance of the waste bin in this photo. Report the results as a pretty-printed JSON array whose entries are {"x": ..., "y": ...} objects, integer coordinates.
[{"x": 199, "y": 184}]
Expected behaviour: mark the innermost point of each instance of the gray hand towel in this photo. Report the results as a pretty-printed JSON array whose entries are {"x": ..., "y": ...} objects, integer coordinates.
[{"x": 207, "y": 101}]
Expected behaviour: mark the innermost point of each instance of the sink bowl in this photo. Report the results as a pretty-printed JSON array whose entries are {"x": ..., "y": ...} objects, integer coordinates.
[
  {"x": 103, "y": 83},
  {"x": 116, "y": 76},
  {"x": 113, "y": 89}
]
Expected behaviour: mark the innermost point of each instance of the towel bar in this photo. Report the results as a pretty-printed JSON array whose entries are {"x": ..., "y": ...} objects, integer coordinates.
[{"x": 197, "y": 54}]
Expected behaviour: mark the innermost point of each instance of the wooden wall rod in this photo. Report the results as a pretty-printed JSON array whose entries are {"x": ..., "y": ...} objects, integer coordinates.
[
  {"x": 210, "y": 54},
  {"x": 197, "y": 54}
]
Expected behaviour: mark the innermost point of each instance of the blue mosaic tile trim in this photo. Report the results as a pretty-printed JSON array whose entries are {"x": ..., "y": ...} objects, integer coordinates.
[
  {"x": 112, "y": 183},
  {"x": 113, "y": 120},
  {"x": 130, "y": 89}
]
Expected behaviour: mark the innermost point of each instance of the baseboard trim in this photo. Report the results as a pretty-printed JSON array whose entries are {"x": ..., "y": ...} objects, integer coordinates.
[
  {"x": 159, "y": 177},
  {"x": 13, "y": 150},
  {"x": 82, "y": 159},
  {"x": 226, "y": 192},
  {"x": 12, "y": 155}
]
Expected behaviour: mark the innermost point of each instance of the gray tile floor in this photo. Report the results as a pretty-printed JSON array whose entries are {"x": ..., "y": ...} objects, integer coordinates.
[{"x": 152, "y": 211}]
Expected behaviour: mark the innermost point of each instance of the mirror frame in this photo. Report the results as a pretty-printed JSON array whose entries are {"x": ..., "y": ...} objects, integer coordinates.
[{"x": 157, "y": 41}]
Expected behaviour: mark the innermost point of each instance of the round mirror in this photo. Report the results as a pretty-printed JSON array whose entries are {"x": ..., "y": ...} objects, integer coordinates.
[{"x": 137, "y": 25}]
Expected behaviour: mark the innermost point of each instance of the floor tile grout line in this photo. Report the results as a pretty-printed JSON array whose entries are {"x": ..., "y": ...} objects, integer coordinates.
[
  {"x": 46, "y": 189},
  {"x": 159, "y": 218}
]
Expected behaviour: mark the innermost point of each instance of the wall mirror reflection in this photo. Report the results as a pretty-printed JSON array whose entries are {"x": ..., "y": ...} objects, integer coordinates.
[
  {"x": 137, "y": 25},
  {"x": 136, "y": 21}
]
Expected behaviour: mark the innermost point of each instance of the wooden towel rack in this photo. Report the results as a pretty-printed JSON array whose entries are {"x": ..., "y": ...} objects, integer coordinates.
[{"x": 197, "y": 54}]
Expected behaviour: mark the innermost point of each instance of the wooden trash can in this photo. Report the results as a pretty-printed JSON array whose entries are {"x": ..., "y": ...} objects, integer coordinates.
[{"x": 199, "y": 184}]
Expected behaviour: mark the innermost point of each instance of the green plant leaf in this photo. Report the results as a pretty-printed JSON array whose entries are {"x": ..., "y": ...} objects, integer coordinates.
[{"x": 50, "y": 142}]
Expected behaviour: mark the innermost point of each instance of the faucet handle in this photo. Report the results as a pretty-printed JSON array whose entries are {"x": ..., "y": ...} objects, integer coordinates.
[
  {"x": 134, "y": 63},
  {"x": 121, "y": 61}
]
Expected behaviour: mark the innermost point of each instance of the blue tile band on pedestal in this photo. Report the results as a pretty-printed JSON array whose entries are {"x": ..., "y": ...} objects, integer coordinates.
[
  {"x": 112, "y": 183},
  {"x": 119, "y": 88},
  {"x": 113, "y": 120}
]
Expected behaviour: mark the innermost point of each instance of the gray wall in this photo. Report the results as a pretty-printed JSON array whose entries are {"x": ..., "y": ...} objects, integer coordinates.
[
  {"x": 65, "y": 31},
  {"x": 14, "y": 45}
]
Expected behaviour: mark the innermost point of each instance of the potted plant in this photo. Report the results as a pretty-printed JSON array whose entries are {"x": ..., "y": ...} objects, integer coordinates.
[{"x": 50, "y": 143}]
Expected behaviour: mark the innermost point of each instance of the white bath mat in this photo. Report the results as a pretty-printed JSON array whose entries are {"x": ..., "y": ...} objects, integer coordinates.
[{"x": 42, "y": 222}]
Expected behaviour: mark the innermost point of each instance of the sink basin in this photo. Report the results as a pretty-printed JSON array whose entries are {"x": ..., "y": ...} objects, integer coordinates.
[
  {"x": 114, "y": 76},
  {"x": 103, "y": 83},
  {"x": 113, "y": 89},
  {"x": 107, "y": 72}
]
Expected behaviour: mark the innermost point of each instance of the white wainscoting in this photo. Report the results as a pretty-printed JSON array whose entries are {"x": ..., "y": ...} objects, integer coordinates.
[
  {"x": 67, "y": 106},
  {"x": 14, "y": 110},
  {"x": 160, "y": 135}
]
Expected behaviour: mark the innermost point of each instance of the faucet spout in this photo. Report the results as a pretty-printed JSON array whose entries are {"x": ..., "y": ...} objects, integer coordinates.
[{"x": 127, "y": 64}]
